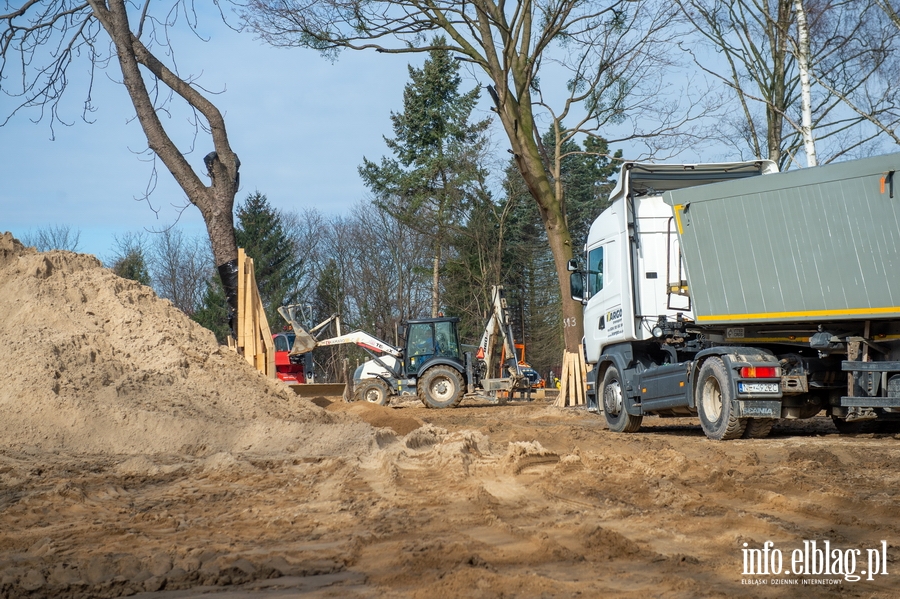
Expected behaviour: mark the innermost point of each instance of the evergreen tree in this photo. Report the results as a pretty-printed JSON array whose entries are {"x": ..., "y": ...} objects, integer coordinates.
[
  {"x": 428, "y": 183},
  {"x": 213, "y": 313},
  {"x": 132, "y": 266},
  {"x": 261, "y": 232}
]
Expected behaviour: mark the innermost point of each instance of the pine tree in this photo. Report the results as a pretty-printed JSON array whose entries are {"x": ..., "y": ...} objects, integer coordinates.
[
  {"x": 260, "y": 231},
  {"x": 428, "y": 183}
]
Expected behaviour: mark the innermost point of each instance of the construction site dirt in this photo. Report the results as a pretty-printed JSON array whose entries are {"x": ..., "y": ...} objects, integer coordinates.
[{"x": 139, "y": 458}]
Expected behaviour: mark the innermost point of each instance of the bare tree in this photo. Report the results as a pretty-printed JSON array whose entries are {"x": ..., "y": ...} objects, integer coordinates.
[
  {"x": 179, "y": 268},
  {"x": 40, "y": 41},
  {"x": 762, "y": 56},
  {"x": 614, "y": 55},
  {"x": 53, "y": 237}
]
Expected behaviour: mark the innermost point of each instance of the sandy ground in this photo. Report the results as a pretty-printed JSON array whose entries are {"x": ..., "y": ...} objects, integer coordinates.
[{"x": 139, "y": 459}]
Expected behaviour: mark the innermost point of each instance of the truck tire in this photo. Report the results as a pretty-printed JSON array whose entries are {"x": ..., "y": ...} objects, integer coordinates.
[
  {"x": 440, "y": 386},
  {"x": 714, "y": 395},
  {"x": 617, "y": 419},
  {"x": 372, "y": 391},
  {"x": 758, "y": 428}
]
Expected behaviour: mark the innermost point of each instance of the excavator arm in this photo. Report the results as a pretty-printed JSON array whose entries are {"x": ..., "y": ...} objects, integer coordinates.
[{"x": 498, "y": 328}]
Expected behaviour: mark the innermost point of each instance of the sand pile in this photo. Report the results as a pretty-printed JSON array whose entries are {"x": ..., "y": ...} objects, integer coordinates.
[{"x": 97, "y": 363}]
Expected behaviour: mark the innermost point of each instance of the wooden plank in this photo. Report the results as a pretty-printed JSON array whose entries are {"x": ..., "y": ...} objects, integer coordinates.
[
  {"x": 561, "y": 401},
  {"x": 583, "y": 362},
  {"x": 241, "y": 310}
]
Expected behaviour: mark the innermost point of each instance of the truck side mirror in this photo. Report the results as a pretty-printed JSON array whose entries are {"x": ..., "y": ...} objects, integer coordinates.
[
  {"x": 572, "y": 265},
  {"x": 576, "y": 285}
]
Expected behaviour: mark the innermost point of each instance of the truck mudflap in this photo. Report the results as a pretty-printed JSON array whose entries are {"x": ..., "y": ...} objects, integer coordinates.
[{"x": 757, "y": 408}]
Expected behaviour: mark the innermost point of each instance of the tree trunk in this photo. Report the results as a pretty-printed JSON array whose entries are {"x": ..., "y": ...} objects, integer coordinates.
[
  {"x": 520, "y": 130},
  {"x": 216, "y": 202},
  {"x": 805, "y": 94},
  {"x": 435, "y": 281}
]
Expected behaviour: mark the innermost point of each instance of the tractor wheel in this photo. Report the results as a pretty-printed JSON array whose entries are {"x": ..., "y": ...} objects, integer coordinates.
[
  {"x": 372, "y": 391},
  {"x": 714, "y": 396},
  {"x": 617, "y": 419},
  {"x": 440, "y": 386}
]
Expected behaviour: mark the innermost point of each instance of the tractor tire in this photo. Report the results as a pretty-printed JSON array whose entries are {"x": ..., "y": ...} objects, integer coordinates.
[
  {"x": 714, "y": 395},
  {"x": 758, "y": 428},
  {"x": 440, "y": 386},
  {"x": 617, "y": 419},
  {"x": 372, "y": 391}
]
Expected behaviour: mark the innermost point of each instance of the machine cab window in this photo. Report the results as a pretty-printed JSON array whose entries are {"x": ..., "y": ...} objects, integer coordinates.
[
  {"x": 595, "y": 271},
  {"x": 420, "y": 345}
]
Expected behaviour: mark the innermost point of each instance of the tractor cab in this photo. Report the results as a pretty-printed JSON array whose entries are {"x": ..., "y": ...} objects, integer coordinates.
[{"x": 429, "y": 339}]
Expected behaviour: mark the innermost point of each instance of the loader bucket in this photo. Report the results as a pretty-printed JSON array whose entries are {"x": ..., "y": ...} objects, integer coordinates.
[{"x": 303, "y": 341}]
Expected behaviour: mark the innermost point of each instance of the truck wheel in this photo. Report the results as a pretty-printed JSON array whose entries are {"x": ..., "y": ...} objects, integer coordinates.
[
  {"x": 372, "y": 391},
  {"x": 714, "y": 396},
  {"x": 440, "y": 387},
  {"x": 759, "y": 428},
  {"x": 617, "y": 419}
]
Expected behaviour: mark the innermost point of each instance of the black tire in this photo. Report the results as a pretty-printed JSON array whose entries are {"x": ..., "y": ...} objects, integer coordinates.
[
  {"x": 714, "y": 395},
  {"x": 372, "y": 391},
  {"x": 440, "y": 386},
  {"x": 758, "y": 428},
  {"x": 617, "y": 419}
]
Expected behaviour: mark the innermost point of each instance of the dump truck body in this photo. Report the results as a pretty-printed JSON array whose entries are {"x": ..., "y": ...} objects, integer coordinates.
[{"x": 748, "y": 300}]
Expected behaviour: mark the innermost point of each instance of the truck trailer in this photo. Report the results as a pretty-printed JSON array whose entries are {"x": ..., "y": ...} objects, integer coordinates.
[{"x": 741, "y": 295}]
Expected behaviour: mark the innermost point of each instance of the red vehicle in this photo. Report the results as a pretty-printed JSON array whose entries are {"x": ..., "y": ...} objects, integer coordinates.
[{"x": 289, "y": 369}]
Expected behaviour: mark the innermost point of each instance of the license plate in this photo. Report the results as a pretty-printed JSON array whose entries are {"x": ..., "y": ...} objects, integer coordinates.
[{"x": 757, "y": 387}]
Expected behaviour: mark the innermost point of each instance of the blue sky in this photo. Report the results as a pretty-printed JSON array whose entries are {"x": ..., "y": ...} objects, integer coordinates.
[{"x": 299, "y": 123}]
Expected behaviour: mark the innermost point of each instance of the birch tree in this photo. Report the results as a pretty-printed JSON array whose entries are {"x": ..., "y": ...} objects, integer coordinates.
[{"x": 764, "y": 49}]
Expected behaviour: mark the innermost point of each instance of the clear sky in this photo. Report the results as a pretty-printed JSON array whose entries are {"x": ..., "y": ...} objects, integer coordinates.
[{"x": 299, "y": 123}]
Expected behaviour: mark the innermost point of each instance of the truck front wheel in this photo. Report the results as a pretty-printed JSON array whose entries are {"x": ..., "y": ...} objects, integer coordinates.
[
  {"x": 440, "y": 386},
  {"x": 714, "y": 395},
  {"x": 617, "y": 419}
]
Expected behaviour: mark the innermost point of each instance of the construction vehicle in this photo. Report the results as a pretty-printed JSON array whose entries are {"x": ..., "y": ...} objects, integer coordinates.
[
  {"x": 530, "y": 373},
  {"x": 297, "y": 369},
  {"x": 293, "y": 370},
  {"x": 741, "y": 295},
  {"x": 431, "y": 361}
]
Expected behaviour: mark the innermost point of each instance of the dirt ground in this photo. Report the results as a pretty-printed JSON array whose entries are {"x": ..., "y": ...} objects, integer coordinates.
[{"x": 139, "y": 459}]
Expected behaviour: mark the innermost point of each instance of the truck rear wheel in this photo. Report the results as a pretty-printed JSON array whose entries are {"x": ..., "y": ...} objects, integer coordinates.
[
  {"x": 617, "y": 419},
  {"x": 714, "y": 395},
  {"x": 758, "y": 428},
  {"x": 372, "y": 391},
  {"x": 440, "y": 387}
]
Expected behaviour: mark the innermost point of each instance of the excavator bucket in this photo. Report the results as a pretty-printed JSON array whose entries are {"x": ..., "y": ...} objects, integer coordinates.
[{"x": 303, "y": 341}]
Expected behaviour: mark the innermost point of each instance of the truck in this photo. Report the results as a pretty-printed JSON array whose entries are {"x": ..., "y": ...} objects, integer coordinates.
[
  {"x": 431, "y": 361},
  {"x": 739, "y": 295}
]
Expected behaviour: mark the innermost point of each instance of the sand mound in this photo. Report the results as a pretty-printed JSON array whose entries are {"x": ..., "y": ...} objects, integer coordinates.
[{"x": 97, "y": 363}]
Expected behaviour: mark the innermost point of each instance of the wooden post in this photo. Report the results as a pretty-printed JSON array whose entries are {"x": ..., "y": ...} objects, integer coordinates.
[
  {"x": 254, "y": 340},
  {"x": 573, "y": 386}
]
